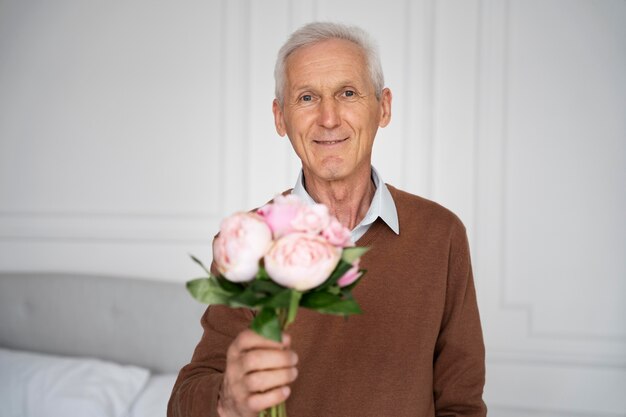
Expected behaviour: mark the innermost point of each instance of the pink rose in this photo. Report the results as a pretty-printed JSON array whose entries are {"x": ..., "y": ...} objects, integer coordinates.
[
  {"x": 337, "y": 234},
  {"x": 351, "y": 275},
  {"x": 280, "y": 214},
  {"x": 312, "y": 219},
  {"x": 243, "y": 240},
  {"x": 301, "y": 260}
]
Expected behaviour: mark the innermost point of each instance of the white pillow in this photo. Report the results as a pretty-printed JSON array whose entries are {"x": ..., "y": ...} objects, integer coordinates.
[
  {"x": 37, "y": 385},
  {"x": 152, "y": 402}
]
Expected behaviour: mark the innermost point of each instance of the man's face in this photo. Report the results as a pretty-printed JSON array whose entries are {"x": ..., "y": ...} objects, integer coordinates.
[{"x": 330, "y": 112}]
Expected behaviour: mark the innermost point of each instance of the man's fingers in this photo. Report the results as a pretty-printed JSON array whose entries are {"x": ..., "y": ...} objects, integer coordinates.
[
  {"x": 267, "y": 359},
  {"x": 257, "y": 373},
  {"x": 259, "y": 382},
  {"x": 248, "y": 340},
  {"x": 260, "y": 402}
]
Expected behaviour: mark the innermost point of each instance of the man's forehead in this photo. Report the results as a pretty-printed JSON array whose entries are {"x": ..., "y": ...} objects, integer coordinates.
[{"x": 334, "y": 61}]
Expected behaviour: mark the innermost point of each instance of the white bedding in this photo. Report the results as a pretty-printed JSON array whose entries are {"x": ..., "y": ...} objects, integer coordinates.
[
  {"x": 38, "y": 385},
  {"x": 152, "y": 401}
]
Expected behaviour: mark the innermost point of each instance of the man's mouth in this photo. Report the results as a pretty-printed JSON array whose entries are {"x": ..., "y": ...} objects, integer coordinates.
[{"x": 329, "y": 142}]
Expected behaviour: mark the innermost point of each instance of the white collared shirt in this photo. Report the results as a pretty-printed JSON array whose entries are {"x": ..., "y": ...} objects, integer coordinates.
[{"x": 382, "y": 206}]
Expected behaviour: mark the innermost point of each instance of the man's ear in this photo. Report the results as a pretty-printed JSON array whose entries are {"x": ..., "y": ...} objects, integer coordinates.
[
  {"x": 385, "y": 104},
  {"x": 279, "y": 122}
]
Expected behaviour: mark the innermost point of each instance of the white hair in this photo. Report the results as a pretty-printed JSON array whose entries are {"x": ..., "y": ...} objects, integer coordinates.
[{"x": 316, "y": 32}]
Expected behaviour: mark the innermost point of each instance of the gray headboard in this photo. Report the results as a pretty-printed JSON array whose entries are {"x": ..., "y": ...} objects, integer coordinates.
[{"x": 130, "y": 321}]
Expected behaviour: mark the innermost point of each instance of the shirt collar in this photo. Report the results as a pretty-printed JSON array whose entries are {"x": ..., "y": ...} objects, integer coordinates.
[{"x": 382, "y": 204}]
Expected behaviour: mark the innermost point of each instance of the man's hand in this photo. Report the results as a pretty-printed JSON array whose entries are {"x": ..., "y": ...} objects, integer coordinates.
[{"x": 257, "y": 375}]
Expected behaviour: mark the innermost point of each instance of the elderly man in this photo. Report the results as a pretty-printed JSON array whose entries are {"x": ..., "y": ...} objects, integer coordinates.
[{"x": 417, "y": 350}]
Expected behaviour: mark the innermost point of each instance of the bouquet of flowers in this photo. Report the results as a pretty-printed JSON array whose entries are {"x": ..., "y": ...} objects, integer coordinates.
[{"x": 286, "y": 255}]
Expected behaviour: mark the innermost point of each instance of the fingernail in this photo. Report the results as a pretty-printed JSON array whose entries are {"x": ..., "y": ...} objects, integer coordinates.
[
  {"x": 286, "y": 391},
  {"x": 286, "y": 339},
  {"x": 294, "y": 358}
]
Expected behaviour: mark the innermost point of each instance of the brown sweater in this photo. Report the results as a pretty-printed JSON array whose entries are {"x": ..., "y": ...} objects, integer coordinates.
[{"x": 417, "y": 350}]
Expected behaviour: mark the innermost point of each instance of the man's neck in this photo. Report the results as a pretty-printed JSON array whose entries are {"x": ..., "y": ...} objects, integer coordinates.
[{"x": 348, "y": 200}]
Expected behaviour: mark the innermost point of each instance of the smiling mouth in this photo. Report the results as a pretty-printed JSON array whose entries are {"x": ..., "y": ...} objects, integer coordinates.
[{"x": 329, "y": 142}]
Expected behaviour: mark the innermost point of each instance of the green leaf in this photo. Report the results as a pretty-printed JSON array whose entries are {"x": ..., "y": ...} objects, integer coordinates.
[
  {"x": 280, "y": 300},
  {"x": 208, "y": 291},
  {"x": 247, "y": 298},
  {"x": 327, "y": 303},
  {"x": 262, "y": 274},
  {"x": 266, "y": 286},
  {"x": 267, "y": 325},
  {"x": 342, "y": 308},
  {"x": 352, "y": 254},
  {"x": 318, "y": 299},
  {"x": 334, "y": 289},
  {"x": 199, "y": 262},
  {"x": 229, "y": 286}
]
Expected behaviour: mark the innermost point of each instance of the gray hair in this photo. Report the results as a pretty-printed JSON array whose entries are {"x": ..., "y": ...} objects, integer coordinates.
[{"x": 316, "y": 32}]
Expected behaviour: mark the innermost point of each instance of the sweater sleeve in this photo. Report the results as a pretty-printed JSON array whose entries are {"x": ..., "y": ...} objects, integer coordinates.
[
  {"x": 195, "y": 392},
  {"x": 459, "y": 362}
]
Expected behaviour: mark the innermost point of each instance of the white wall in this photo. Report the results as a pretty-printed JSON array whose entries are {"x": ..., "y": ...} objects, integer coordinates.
[{"x": 129, "y": 129}]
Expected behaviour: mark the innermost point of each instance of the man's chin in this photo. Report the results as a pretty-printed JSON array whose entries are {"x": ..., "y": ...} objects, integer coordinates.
[{"x": 332, "y": 172}]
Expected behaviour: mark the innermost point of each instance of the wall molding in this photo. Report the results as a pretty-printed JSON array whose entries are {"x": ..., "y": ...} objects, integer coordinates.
[
  {"x": 419, "y": 72},
  {"x": 234, "y": 118},
  {"x": 90, "y": 227},
  {"x": 492, "y": 129},
  {"x": 34, "y": 214},
  {"x": 538, "y": 357},
  {"x": 500, "y": 410}
]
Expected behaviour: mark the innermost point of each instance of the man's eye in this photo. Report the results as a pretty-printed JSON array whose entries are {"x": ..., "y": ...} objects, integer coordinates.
[
  {"x": 306, "y": 97},
  {"x": 349, "y": 93}
]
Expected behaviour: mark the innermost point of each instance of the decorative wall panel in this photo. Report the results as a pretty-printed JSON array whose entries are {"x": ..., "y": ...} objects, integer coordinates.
[{"x": 541, "y": 272}]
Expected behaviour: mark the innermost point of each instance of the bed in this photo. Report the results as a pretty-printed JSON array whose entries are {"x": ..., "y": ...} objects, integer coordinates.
[{"x": 86, "y": 345}]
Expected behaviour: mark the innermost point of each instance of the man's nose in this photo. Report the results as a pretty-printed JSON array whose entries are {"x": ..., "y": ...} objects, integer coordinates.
[{"x": 329, "y": 113}]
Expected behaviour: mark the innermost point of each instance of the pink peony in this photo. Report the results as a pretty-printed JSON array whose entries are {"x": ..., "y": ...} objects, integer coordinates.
[
  {"x": 337, "y": 234},
  {"x": 279, "y": 214},
  {"x": 351, "y": 275},
  {"x": 312, "y": 219},
  {"x": 243, "y": 240},
  {"x": 301, "y": 260}
]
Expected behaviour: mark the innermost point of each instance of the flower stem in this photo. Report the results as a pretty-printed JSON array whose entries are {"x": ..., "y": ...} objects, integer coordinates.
[
  {"x": 282, "y": 318},
  {"x": 285, "y": 317}
]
